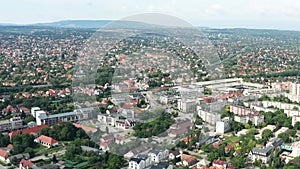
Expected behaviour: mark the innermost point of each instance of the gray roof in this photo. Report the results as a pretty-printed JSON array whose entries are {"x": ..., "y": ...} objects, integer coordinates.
[
  {"x": 86, "y": 148},
  {"x": 20, "y": 156},
  {"x": 137, "y": 160},
  {"x": 156, "y": 150},
  {"x": 50, "y": 166},
  {"x": 161, "y": 165},
  {"x": 61, "y": 115},
  {"x": 263, "y": 151}
]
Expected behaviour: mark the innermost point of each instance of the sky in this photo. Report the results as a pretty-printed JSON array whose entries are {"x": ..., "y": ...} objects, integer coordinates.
[{"x": 267, "y": 14}]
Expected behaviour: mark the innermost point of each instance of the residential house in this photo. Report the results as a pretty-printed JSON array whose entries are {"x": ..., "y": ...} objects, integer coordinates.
[
  {"x": 140, "y": 162},
  {"x": 188, "y": 160},
  {"x": 231, "y": 146},
  {"x": 104, "y": 146},
  {"x": 205, "y": 139},
  {"x": 136, "y": 163},
  {"x": 3, "y": 155},
  {"x": 46, "y": 141},
  {"x": 18, "y": 157},
  {"x": 158, "y": 154},
  {"x": 174, "y": 154},
  {"x": 219, "y": 164},
  {"x": 143, "y": 149},
  {"x": 25, "y": 164}
]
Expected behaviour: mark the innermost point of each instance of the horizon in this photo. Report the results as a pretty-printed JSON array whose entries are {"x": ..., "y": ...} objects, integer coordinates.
[
  {"x": 111, "y": 20},
  {"x": 263, "y": 14}
]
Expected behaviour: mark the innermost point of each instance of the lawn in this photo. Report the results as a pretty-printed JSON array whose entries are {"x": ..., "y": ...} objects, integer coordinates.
[
  {"x": 53, "y": 150},
  {"x": 232, "y": 139},
  {"x": 39, "y": 147}
]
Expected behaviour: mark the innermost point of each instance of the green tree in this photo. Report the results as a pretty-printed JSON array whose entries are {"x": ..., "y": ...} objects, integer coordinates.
[
  {"x": 4, "y": 140},
  {"x": 54, "y": 159},
  {"x": 15, "y": 161},
  {"x": 28, "y": 119},
  {"x": 292, "y": 132},
  {"x": 297, "y": 125},
  {"x": 238, "y": 161},
  {"x": 284, "y": 136},
  {"x": 266, "y": 135}
]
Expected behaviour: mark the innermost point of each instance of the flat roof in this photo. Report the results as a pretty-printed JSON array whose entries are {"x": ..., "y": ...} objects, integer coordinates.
[{"x": 60, "y": 115}]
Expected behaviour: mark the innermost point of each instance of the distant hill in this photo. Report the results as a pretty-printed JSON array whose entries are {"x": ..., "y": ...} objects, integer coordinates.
[
  {"x": 89, "y": 24},
  {"x": 76, "y": 23},
  {"x": 96, "y": 24}
]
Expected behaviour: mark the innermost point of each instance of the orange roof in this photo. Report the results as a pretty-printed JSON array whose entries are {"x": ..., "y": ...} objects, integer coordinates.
[
  {"x": 46, "y": 139},
  {"x": 85, "y": 128},
  {"x": 33, "y": 130},
  {"x": 26, "y": 163},
  {"x": 10, "y": 146},
  {"x": 188, "y": 158},
  {"x": 4, "y": 153},
  {"x": 230, "y": 146}
]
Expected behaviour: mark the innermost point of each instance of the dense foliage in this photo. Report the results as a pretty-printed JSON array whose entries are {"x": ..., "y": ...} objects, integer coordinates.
[
  {"x": 64, "y": 132},
  {"x": 154, "y": 127}
]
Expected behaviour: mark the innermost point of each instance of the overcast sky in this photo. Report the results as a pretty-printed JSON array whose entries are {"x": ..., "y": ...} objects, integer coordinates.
[{"x": 275, "y": 14}]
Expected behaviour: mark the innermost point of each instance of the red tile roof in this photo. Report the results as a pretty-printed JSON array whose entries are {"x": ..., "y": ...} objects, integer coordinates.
[
  {"x": 46, "y": 139},
  {"x": 10, "y": 146},
  {"x": 85, "y": 128},
  {"x": 218, "y": 162},
  {"x": 188, "y": 158},
  {"x": 4, "y": 153},
  {"x": 33, "y": 130},
  {"x": 26, "y": 163}
]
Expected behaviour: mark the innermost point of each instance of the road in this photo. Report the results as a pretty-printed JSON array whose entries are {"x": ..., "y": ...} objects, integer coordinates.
[{"x": 58, "y": 153}]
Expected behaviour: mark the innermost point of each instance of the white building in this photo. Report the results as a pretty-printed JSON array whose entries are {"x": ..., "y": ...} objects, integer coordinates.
[
  {"x": 11, "y": 124},
  {"x": 154, "y": 156},
  {"x": 262, "y": 154},
  {"x": 187, "y": 106},
  {"x": 255, "y": 119},
  {"x": 223, "y": 126},
  {"x": 209, "y": 117},
  {"x": 136, "y": 163},
  {"x": 34, "y": 110}
]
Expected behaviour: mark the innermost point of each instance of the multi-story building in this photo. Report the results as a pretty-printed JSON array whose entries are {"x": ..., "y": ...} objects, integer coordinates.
[
  {"x": 187, "y": 105},
  {"x": 11, "y": 124},
  {"x": 80, "y": 114},
  {"x": 209, "y": 117},
  {"x": 262, "y": 154},
  {"x": 295, "y": 89},
  {"x": 294, "y": 94},
  {"x": 241, "y": 111},
  {"x": 223, "y": 126},
  {"x": 255, "y": 119}
]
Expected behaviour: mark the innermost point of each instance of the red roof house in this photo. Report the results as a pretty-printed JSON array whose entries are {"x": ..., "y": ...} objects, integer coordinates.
[
  {"x": 32, "y": 131},
  {"x": 46, "y": 141},
  {"x": 3, "y": 155},
  {"x": 25, "y": 164}
]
